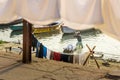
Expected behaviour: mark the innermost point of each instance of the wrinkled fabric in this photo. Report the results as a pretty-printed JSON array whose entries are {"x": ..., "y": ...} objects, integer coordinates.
[
  {"x": 38, "y": 11},
  {"x": 44, "y": 11},
  {"x": 48, "y": 53},
  {"x": 64, "y": 58},
  {"x": 44, "y": 51},
  {"x": 82, "y": 11},
  {"x": 7, "y": 11},
  {"x": 76, "y": 14},
  {"x": 34, "y": 42},
  {"x": 56, "y": 56},
  {"x": 40, "y": 52},
  {"x": 37, "y": 48},
  {"x": 111, "y": 14},
  {"x": 67, "y": 58}
]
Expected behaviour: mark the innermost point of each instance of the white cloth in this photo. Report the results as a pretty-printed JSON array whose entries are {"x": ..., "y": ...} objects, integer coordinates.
[
  {"x": 7, "y": 11},
  {"x": 48, "y": 53},
  {"x": 38, "y": 11},
  {"x": 78, "y": 12},
  {"x": 82, "y": 11},
  {"x": 45, "y": 11},
  {"x": 111, "y": 14},
  {"x": 82, "y": 57}
]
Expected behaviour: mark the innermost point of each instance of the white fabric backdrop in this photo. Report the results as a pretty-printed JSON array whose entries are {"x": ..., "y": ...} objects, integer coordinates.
[
  {"x": 111, "y": 14},
  {"x": 38, "y": 11},
  {"x": 7, "y": 11},
  {"x": 82, "y": 11},
  {"x": 81, "y": 14},
  {"x": 85, "y": 12}
]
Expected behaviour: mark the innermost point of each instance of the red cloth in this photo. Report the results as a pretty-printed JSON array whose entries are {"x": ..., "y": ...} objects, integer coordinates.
[{"x": 56, "y": 56}]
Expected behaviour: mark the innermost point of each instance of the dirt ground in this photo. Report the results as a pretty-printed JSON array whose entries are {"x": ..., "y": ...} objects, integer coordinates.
[{"x": 12, "y": 68}]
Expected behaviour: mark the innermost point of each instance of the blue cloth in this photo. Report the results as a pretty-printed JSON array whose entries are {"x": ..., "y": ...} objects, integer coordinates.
[
  {"x": 44, "y": 51},
  {"x": 41, "y": 51}
]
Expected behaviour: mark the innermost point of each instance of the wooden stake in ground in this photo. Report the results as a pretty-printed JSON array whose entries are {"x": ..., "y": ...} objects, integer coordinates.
[
  {"x": 27, "y": 38},
  {"x": 91, "y": 53}
]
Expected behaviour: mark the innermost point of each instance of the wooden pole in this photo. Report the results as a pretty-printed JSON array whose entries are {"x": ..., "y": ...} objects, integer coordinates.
[
  {"x": 27, "y": 38},
  {"x": 91, "y": 53}
]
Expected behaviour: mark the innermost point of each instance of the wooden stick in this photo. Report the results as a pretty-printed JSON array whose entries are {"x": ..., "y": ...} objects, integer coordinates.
[
  {"x": 88, "y": 47},
  {"x": 87, "y": 59},
  {"x": 93, "y": 48},
  {"x": 88, "y": 55},
  {"x": 96, "y": 62},
  {"x": 91, "y": 52}
]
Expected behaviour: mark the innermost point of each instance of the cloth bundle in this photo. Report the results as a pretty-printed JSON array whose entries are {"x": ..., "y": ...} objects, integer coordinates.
[{"x": 44, "y": 52}]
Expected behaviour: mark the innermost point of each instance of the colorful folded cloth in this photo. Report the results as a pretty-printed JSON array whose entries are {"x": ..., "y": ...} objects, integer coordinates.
[
  {"x": 64, "y": 57},
  {"x": 56, "y": 56},
  {"x": 48, "y": 53},
  {"x": 34, "y": 42},
  {"x": 52, "y": 55},
  {"x": 44, "y": 51},
  {"x": 71, "y": 58},
  {"x": 76, "y": 58},
  {"x": 40, "y": 52},
  {"x": 67, "y": 58},
  {"x": 37, "y": 48}
]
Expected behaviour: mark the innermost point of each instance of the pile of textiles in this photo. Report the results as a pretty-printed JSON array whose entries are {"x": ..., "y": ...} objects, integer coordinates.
[{"x": 43, "y": 52}]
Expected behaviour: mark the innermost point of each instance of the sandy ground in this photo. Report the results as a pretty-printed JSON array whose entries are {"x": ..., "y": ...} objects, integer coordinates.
[{"x": 12, "y": 68}]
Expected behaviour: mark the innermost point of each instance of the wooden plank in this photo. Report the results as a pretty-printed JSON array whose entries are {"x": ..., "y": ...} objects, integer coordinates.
[
  {"x": 27, "y": 38},
  {"x": 12, "y": 23}
]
